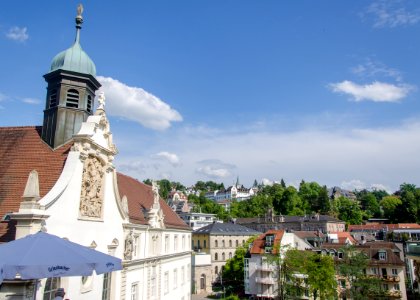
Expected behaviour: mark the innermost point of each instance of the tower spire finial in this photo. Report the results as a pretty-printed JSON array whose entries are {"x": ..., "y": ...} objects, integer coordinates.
[{"x": 79, "y": 22}]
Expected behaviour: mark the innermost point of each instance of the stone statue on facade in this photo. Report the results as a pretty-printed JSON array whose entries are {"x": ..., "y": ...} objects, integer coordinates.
[
  {"x": 128, "y": 247},
  {"x": 91, "y": 194},
  {"x": 101, "y": 101}
]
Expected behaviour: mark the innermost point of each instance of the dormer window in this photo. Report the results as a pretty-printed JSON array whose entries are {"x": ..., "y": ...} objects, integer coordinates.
[
  {"x": 269, "y": 240},
  {"x": 382, "y": 255},
  {"x": 72, "y": 99},
  {"x": 53, "y": 98}
]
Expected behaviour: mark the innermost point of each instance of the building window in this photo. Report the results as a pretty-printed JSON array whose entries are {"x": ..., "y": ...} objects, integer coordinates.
[
  {"x": 166, "y": 283},
  {"x": 167, "y": 243},
  {"x": 176, "y": 243},
  {"x": 394, "y": 272},
  {"x": 223, "y": 256},
  {"x": 51, "y": 287},
  {"x": 202, "y": 282},
  {"x": 136, "y": 246},
  {"x": 72, "y": 99},
  {"x": 223, "y": 244},
  {"x": 216, "y": 256},
  {"x": 396, "y": 286},
  {"x": 106, "y": 287},
  {"x": 382, "y": 255},
  {"x": 153, "y": 281},
  {"x": 385, "y": 286},
  {"x": 175, "y": 278},
  {"x": 230, "y": 255},
  {"x": 134, "y": 291},
  {"x": 216, "y": 270},
  {"x": 205, "y": 244},
  {"x": 183, "y": 242},
  {"x": 230, "y": 243},
  {"x": 53, "y": 98},
  {"x": 182, "y": 275},
  {"x": 89, "y": 103},
  {"x": 216, "y": 244},
  {"x": 237, "y": 243}
]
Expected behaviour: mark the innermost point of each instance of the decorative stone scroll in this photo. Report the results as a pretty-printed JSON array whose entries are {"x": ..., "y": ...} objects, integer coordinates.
[{"x": 91, "y": 198}]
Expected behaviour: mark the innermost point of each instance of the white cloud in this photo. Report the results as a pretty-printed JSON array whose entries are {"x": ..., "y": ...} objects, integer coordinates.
[
  {"x": 388, "y": 13},
  {"x": 32, "y": 101},
  {"x": 376, "y": 91},
  {"x": 137, "y": 105},
  {"x": 327, "y": 155},
  {"x": 18, "y": 34},
  {"x": 172, "y": 158},
  {"x": 266, "y": 181},
  {"x": 354, "y": 184},
  {"x": 214, "y": 168},
  {"x": 374, "y": 68}
]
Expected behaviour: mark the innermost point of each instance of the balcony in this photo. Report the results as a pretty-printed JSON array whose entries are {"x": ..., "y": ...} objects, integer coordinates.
[
  {"x": 266, "y": 268},
  {"x": 393, "y": 294},
  {"x": 391, "y": 278},
  {"x": 266, "y": 295},
  {"x": 265, "y": 280}
]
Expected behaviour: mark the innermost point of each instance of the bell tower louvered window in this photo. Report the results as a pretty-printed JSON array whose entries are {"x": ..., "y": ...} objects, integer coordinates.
[
  {"x": 53, "y": 98},
  {"x": 72, "y": 99},
  {"x": 89, "y": 103}
]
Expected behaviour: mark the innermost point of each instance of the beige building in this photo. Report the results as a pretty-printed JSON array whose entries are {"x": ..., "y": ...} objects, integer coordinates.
[
  {"x": 220, "y": 240},
  {"x": 201, "y": 273}
]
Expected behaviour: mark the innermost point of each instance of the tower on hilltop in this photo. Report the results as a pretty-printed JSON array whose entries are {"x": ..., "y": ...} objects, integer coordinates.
[{"x": 70, "y": 91}]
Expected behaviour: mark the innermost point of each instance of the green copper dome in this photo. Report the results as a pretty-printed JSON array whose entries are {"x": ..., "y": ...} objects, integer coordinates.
[{"x": 74, "y": 59}]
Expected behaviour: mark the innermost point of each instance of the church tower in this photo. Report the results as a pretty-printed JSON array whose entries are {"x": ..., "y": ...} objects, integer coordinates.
[{"x": 70, "y": 92}]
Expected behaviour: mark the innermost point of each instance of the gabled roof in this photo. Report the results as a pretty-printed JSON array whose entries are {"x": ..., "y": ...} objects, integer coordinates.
[
  {"x": 258, "y": 245},
  {"x": 21, "y": 151},
  {"x": 343, "y": 237},
  {"x": 140, "y": 197},
  {"x": 225, "y": 229}
]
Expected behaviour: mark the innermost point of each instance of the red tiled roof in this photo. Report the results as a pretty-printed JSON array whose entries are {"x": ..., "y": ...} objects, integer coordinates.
[
  {"x": 21, "y": 151},
  {"x": 140, "y": 197},
  {"x": 384, "y": 226},
  {"x": 344, "y": 236},
  {"x": 258, "y": 246}
]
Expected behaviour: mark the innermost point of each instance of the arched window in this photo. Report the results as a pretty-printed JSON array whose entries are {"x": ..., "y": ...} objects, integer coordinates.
[
  {"x": 223, "y": 256},
  {"x": 230, "y": 243},
  {"x": 216, "y": 256},
  {"x": 216, "y": 244},
  {"x": 237, "y": 243},
  {"x": 230, "y": 255},
  {"x": 53, "y": 98},
  {"x": 72, "y": 99},
  {"x": 223, "y": 244},
  {"x": 205, "y": 244},
  {"x": 216, "y": 270},
  {"x": 203, "y": 282},
  {"x": 51, "y": 286},
  {"x": 89, "y": 103}
]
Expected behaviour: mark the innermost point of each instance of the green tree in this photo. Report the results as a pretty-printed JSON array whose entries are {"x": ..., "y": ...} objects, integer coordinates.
[
  {"x": 148, "y": 181},
  {"x": 389, "y": 205},
  {"x": 369, "y": 204},
  {"x": 323, "y": 201},
  {"x": 353, "y": 268},
  {"x": 309, "y": 193},
  {"x": 321, "y": 276},
  {"x": 348, "y": 210},
  {"x": 164, "y": 188}
]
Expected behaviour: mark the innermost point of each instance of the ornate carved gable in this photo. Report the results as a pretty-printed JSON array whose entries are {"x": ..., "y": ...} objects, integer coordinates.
[
  {"x": 155, "y": 214},
  {"x": 91, "y": 198}
]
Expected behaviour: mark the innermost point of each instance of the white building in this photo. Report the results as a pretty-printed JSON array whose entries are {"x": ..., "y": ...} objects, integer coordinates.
[
  {"x": 61, "y": 177},
  {"x": 198, "y": 220},
  {"x": 260, "y": 273}
]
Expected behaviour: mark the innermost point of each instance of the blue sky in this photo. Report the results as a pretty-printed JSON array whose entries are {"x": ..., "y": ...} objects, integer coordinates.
[{"x": 323, "y": 91}]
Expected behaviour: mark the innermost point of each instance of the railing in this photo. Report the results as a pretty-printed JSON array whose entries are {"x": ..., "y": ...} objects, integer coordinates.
[
  {"x": 394, "y": 294},
  {"x": 266, "y": 268},
  {"x": 391, "y": 278},
  {"x": 265, "y": 280},
  {"x": 266, "y": 295}
]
